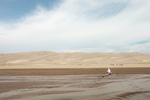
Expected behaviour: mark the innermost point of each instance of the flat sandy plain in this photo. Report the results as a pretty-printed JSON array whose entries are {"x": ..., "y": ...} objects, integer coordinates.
[
  {"x": 75, "y": 84},
  {"x": 74, "y": 76}
]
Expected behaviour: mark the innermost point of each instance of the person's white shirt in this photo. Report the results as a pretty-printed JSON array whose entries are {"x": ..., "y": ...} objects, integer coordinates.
[{"x": 109, "y": 72}]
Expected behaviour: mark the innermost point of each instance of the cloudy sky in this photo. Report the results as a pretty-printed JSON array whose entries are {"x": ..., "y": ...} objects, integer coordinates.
[{"x": 75, "y": 26}]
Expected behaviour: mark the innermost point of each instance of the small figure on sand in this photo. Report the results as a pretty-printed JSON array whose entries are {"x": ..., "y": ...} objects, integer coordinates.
[{"x": 109, "y": 72}]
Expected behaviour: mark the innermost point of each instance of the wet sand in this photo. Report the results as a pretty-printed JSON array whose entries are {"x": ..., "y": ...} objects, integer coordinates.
[
  {"x": 74, "y": 71},
  {"x": 74, "y": 84},
  {"x": 76, "y": 87}
]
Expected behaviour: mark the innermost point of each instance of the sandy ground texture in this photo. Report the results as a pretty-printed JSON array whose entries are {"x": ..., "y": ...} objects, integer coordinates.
[
  {"x": 75, "y": 87},
  {"x": 72, "y": 71},
  {"x": 61, "y": 66}
]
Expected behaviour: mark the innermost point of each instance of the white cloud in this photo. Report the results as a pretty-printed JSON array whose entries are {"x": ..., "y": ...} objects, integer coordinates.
[
  {"x": 144, "y": 48},
  {"x": 80, "y": 25}
]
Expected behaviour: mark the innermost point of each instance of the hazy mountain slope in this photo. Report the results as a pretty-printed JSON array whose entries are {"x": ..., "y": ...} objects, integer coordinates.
[{"x": 48, "y": 57}]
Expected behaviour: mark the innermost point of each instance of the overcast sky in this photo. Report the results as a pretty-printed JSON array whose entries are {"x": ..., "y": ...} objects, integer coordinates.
[{"x": 75, "y": 26}]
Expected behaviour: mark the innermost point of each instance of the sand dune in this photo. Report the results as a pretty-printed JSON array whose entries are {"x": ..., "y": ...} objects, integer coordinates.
[
  {"x": 76, "y": 58},
  {"x": 74, "y": 76}
]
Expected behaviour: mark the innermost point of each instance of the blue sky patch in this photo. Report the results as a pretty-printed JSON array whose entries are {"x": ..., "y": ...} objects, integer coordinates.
[{"x": 14, "y": 9}]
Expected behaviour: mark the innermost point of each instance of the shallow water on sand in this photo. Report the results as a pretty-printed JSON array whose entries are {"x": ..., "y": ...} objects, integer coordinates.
[{"x": 76, "y": 87}]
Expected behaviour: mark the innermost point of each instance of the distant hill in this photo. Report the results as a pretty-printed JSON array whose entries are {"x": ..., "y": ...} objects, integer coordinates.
[{"x": 48, "y": 57}]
